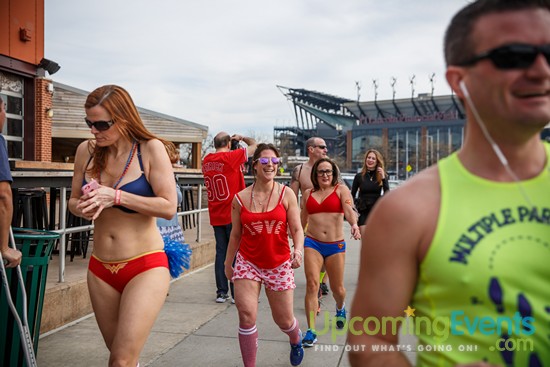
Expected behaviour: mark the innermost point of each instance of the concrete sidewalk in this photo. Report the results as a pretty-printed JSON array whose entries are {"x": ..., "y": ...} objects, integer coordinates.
[{"x": 193, "y": 330}]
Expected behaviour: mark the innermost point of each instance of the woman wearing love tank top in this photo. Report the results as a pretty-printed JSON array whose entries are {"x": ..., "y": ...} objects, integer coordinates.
[{"x": 261, "y": 214}]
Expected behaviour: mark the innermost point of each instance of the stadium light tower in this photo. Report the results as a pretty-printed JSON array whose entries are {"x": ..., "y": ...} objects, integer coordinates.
[
  {"x": 392, "y": 83},
  {"x": 432, "y": 82},
  {"x": 375, "y": 85},
  {"x": 412, "y": 82}
]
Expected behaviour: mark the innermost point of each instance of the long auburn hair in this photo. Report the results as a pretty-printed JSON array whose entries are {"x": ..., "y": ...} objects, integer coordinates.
[
  {"x": 379, "y": 163},
  {"x": 118, "y": 103}
]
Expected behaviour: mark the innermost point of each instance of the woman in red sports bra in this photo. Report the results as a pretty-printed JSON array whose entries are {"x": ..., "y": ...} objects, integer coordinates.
[
  {"x": 323, "y": 209},
  {"x": 261, "y": 214},
  {"x": 129, "y": 183}
]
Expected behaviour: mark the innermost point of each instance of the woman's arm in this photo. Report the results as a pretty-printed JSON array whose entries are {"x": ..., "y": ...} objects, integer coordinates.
[
  {"x": 355, "y": 185},
  {"x": 234, "y": 238},
  {"x": 296, "y": 231},
  {"x": 385, "y": 184},
  {"x": 160, "y": 175},
  {"x": 303, "y": 213},
  {"x": 77, "y": 204},
  {"x": 349, "y": 213},
  {"x": 384, "y": 176}
]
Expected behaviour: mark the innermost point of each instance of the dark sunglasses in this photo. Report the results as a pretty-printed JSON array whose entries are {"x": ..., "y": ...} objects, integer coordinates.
[
  {"x": 99, "y": 125},
  {"x": 327, "y": 173},
  {"x": 264, "y": 161},
  {"x": 320, "y": 146},
  {"x": 513, "y": 56}
]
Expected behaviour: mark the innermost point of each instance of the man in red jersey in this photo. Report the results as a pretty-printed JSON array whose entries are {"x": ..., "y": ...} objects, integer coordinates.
[{"x": 223, "y": 177}]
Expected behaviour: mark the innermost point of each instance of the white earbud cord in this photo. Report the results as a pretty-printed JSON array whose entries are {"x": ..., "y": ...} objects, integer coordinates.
[{"x": 500, "y": 155}]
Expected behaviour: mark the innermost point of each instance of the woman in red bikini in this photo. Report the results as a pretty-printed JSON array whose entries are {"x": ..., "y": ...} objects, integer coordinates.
[
  {"x": 123, "y": 180},
  {"x": 261, "y": 215},
  {"x": 323, "y": 209}
]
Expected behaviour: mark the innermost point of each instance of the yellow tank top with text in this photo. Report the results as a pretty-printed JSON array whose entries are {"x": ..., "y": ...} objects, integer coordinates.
[{"x": 484, "y": 285}]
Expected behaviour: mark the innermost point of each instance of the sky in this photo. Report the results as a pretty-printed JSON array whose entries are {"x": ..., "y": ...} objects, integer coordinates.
[{"x": 218, "y": 62}]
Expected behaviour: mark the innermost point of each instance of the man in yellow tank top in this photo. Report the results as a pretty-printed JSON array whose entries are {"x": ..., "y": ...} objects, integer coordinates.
[{"x": 464, "y": 247}]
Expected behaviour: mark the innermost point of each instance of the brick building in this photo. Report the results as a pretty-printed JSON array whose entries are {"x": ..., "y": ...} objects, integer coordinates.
[{"x": 45, "y": 118}]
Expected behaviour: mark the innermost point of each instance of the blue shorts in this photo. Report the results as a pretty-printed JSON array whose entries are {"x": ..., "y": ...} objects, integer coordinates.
[{"x": 325, "y": 248}]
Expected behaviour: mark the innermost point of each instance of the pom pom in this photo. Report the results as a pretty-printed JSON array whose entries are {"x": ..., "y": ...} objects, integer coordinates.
[{"x": 179, "y": 256}]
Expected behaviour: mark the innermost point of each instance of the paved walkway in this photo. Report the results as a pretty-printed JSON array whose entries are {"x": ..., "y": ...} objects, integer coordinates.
[{"x": 193, "y": 330}]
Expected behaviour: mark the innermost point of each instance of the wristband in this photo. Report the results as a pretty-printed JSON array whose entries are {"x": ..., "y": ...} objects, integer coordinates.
[{"x": 118, "y": 195}]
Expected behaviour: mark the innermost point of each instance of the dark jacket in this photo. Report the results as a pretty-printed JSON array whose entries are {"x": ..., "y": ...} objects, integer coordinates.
[{"x": 369, "y": 190}]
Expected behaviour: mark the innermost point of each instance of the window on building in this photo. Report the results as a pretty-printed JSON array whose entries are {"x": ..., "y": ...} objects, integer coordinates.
[
  {"x": 11, "y": 88},
  {"x": 442, "y": 141},
  {"x": 362, "y": 141},
  {"x": 404, "y": 148}
]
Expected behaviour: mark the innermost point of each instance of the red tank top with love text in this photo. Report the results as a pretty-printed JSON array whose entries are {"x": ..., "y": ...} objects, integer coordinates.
[{"x": 264, "y": 238}]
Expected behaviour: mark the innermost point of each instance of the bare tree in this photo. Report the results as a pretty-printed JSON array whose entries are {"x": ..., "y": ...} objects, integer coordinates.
[
  {"x": 207, "y": 145},
  {"x": 260, "y": 137},
  {"x": 186, "y": 149}
]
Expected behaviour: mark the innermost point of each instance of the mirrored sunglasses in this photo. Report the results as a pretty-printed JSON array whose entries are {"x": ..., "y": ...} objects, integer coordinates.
[
  {"x": 99, "y": 125},
  {"x": 512, "y": 56},
  {"x": 274, "y": 160}
]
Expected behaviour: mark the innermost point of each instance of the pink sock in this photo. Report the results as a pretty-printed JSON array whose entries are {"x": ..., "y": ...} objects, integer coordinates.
[
  {"x": 248, "y": 341},
  {"x": 293, "y": 332}
]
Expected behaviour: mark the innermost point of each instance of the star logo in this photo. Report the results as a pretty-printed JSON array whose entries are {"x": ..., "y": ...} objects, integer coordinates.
[{"x": 409, "y": 311}]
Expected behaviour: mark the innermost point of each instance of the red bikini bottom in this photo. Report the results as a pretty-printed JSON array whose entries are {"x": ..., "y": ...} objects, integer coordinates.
[{"x": 118, "y": 273}]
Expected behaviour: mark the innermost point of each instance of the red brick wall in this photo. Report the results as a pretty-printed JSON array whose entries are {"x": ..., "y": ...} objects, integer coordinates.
[{"x": 43, "y": 125}]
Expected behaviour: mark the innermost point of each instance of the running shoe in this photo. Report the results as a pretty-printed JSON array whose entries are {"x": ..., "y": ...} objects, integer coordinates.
[
  {"x": 309, "y": 339},
  {"x": 324, "y": 289},
  {"x": 221, "y": 298},
  {"x": 296, "y": 352},
  {"x": 340, "y": 318}
]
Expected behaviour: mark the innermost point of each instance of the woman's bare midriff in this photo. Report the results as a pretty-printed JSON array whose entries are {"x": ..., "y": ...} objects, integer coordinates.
[
  {"x": 119, "y": 235},
  {"x": 326, "y": 227}
]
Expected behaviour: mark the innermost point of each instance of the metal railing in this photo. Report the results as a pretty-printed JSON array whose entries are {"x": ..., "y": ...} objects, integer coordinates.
[{"x": 63, "y": 231}]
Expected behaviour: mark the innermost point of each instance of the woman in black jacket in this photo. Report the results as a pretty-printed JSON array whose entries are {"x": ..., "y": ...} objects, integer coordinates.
[{"x": 371, "y": 182}]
